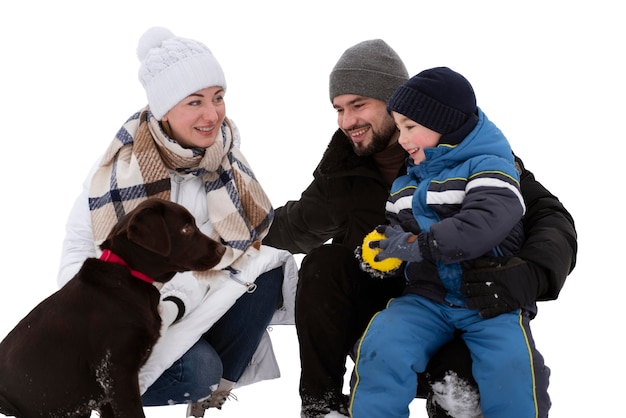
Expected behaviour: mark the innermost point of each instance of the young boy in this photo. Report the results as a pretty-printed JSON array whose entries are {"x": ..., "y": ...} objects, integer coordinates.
[{"x": 459, "y": 200}]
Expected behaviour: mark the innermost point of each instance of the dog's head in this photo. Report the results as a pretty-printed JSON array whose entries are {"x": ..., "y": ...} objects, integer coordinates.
[{"x": 160, "y": 238}]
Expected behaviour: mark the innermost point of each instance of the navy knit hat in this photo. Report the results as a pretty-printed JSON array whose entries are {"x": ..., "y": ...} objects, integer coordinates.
[
  {"x": 369, "y": 69},
  {"x": 439, "y": 99}
]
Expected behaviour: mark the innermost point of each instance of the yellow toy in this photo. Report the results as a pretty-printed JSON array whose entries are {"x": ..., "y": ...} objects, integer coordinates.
[{"x": 379, "y": 268}]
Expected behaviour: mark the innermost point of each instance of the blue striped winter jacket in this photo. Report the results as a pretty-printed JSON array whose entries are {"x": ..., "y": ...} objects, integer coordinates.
[{"x": 463, "y": 202}]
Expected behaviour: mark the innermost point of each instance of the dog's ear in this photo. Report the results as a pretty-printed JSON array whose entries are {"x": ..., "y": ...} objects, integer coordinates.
[{"x": 148, "y": 229}]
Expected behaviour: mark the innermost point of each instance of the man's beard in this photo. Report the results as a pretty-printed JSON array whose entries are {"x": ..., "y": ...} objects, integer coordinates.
[{"x": 380, "y": 140}]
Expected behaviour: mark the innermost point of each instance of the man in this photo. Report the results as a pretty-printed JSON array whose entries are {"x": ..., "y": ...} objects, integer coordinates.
[{"x": 336, "y": 299}]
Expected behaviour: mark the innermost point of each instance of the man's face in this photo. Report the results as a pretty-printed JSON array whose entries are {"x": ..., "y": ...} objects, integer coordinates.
[{"x": 366, "y": 122}]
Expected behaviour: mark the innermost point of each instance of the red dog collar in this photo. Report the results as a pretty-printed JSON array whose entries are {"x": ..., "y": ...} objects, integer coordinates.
[{"x": 111, "y": 257}]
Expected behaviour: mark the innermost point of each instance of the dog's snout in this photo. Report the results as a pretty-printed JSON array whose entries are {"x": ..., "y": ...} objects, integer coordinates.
[
  {"x": 220, "y": 249},
  {"x": 207, "y": 253},
  {"x": 214, "y": 252}
]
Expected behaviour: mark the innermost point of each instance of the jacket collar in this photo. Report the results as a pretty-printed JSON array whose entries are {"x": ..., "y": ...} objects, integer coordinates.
[{"x": 339, "y": 156}]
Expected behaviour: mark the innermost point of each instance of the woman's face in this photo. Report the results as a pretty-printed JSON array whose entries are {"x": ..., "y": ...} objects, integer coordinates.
[{"x": 196, "y": 120}]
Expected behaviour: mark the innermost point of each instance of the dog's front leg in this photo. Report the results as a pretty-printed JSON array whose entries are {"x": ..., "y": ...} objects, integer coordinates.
[
  {"x": 120, "y": 408},
  {"x": 124, "y": 398}
]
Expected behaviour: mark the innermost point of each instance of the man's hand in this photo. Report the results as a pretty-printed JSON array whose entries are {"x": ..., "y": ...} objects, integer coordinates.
[{"x": 500, "y": 285}]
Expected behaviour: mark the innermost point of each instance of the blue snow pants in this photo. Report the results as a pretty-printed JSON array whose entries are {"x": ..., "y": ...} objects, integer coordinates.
[{"x": 402, "y": 338}]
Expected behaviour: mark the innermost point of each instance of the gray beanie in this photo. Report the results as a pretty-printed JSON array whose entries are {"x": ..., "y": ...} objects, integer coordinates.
[{"x": 369, "y": 69}]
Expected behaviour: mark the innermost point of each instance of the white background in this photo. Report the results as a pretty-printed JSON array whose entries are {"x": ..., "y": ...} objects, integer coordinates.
[{"x": 550, "y": 74}]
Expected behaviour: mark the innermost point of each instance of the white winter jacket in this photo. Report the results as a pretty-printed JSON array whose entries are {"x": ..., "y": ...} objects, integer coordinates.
[{"x": 205, "y": 300}]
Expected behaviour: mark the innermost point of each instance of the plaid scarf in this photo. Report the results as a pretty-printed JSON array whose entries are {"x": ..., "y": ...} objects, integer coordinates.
[{"x": 135, "y": 168}]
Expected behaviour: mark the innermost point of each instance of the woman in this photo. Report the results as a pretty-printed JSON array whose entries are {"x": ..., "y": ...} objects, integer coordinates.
[{"x": 182, "y": 147}]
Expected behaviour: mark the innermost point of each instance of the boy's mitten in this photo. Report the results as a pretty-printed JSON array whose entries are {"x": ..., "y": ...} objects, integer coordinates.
[
  {"x": 398, "y": 244},
  {"x": 367, "y": 254}
]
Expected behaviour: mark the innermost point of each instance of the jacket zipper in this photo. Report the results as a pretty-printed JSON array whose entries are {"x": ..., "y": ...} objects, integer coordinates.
[
  {"x": 178, "y": 180},
  {"x": 250, "y": 286}
]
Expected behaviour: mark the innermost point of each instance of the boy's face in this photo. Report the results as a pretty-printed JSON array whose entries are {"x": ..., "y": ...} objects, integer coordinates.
[
  {"x": 414, "y": 137},
  {"x": 366, "y": 122}
]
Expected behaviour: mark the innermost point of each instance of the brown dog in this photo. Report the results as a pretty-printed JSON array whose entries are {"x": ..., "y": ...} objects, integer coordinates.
[{"x": 81, "y": 348}]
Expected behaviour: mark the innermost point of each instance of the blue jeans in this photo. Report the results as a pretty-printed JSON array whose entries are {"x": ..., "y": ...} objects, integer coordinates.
[{"x": 224, "y": 350}]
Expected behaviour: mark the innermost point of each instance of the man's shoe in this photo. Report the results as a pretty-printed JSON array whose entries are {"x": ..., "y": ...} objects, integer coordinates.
[{"x": 318, "y": 408}]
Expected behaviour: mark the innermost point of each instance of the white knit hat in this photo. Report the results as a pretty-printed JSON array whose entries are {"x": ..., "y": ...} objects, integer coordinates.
[{"x": 172, "y": 68}]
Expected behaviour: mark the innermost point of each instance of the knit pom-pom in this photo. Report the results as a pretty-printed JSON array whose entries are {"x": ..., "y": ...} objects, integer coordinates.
[
  {"x": 153, "y": 38},
  {"x": 366, "y": 255}
]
